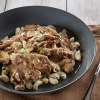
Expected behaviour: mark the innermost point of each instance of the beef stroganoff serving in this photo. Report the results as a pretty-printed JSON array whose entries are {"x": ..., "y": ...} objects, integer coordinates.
[{"x": 37, "y": 55}]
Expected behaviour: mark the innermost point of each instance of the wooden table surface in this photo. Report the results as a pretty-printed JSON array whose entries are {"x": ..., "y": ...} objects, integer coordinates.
[
  {"x": 89, "y": 12},
  {"x": 75, "y": 91}
]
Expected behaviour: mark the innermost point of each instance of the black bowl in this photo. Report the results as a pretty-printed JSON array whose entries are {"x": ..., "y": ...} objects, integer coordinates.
[{"x": 50, "y": 16}]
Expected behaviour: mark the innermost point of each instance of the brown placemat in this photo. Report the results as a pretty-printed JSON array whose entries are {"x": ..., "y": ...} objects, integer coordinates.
[{"x": 72, "y": 92}]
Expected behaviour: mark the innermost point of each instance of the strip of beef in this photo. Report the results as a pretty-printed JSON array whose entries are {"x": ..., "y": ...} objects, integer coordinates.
[
  {"x": 41, "y": 63},
  {"x": 67, "y": 65},
  {"x": 32, "y": 65},
  {"x": 13, "y": 39},
  {"x": 20, "y": 66},
  {"x": 56, "y": 54}
]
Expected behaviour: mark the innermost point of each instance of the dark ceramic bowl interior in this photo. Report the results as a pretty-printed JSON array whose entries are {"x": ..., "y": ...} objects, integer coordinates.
[{"x": 50, "y": 16}]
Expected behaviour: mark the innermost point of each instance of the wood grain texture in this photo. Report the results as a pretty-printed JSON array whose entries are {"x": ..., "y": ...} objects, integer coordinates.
[
  {"x": 2, "y": 5},
  {"x": 87, "y": 10},
  {"x": 96, "y": 90},
  {"x": 52, "y": 3},
  {"x": 95, "y": 93}
]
